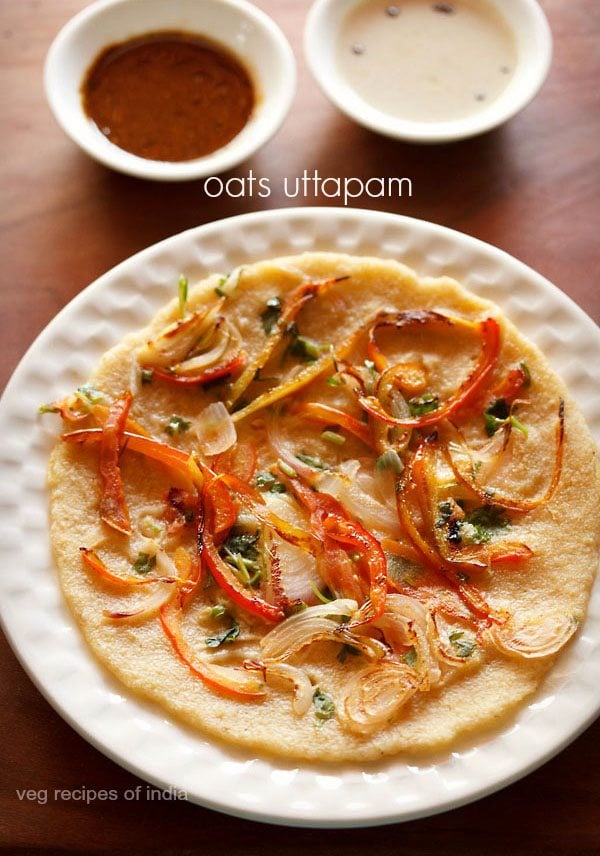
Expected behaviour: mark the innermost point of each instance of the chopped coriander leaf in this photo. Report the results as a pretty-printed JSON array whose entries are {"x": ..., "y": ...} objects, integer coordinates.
[
  {"x": 334, "y": 381},
  {"x": 146, "y": 376},
  {"x": 333, "y": 437},
  {"x": 144, "y": 563},
  {"x": 177, "y": 425},
  {"x": 310, "y": 461},
  {"x": 476, "y": 527},
  {"x": 182, "y": 290},
  {"x": 324, "y": 706},
  {"x": 270, "y": 316},
  {"x": 225, "y": 636},
  {"x": 94, "y": 396},
  {"x": 243, "y": 543},
  {"x": 410, "y": 657},
  {"x": 519, "y": 425},
  {"x": 307, "y": 349},
  {"x": 490, "y": 516},
  {"x": 423, "y": 404},
  {"x": 270, "y": 483},
  {"x": 265, "y": 480},
  {"x": 495, "y": 416},
  {"x": 463, "y": 645},
  {"x": 219, "y": 287},
  {"x": 469, "y": 534},
  {"x": 445, "y": 509},
  {"x": 241, "y": 554},
  {"x": 390, "y": 460},
  {"x": 498, "y": 414},
  {"x": 347, "y": 651}
]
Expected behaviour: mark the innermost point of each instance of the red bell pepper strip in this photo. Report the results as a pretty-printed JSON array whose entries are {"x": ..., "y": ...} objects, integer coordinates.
[
  {"x": 113, "y": 507},
  {"x": 330, "y": 520},
  {"x": 206, "y": 376},
  {"x": 222, "y": 572},
  {"x": 233, "y": 682},
  {"x": 510, "y": 386},
  {"x": 227, "y": 580},
  {"x": 174, "y": 459},
  {"x": 95, "y": 563},
  {"x": 489, "y": 332},
  {"x": 239, "y": 460},
  {"x": 407, "y": 484},
  {"x": 324, "y": 414}
]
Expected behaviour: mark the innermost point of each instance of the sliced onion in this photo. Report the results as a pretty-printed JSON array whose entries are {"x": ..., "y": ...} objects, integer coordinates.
[
  {"x": 316, "y": 624},
  {"x": 165, "y": 590},
  {"x": 215, "y": 430},
  {"x": 282, "y": 674},
  {"x": 298, "y": 570},
  {"x": 306, "y": 626},
  {"x": 284, "y": 449},
  {"x": 363, "y": 494},
  {"x": 163, "y": 594},
  {"x": 298, "y": 567},
  {"x": 377, "y": 694},
  {"x": 194, "y": 364},
  {"x": 406, "y": 622},
  {"x": 174, "y": 343},
  {"x": 538, "y": 636}
]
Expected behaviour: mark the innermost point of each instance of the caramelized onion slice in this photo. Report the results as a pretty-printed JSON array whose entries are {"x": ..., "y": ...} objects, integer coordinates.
[
  {"x": 315, "y": 619},
  {"x": 164, "y": 592},
  {"x": 192, "y": 365},
  {"x": 376, "y": 695},
  {"x": 406, "y": 622},
  {"x": 540, "y": 636},
  {"x": 282, "y": 674},
  {"x": 174, "y": 343}
]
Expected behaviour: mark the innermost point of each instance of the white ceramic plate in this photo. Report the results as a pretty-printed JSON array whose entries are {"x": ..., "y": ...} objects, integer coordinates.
[{"x": 138, "y": 735}]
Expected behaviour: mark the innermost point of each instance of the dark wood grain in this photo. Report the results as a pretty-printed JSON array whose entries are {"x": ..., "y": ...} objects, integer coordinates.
[{"x": 530, "y": 187}]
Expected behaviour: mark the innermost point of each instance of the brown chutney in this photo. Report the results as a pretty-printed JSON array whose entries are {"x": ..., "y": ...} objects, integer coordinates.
[{"x": 168, "y": 96}]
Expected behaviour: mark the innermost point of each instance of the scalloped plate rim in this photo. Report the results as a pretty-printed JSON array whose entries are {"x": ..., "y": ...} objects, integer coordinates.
[{"x": 285, "y": 815}]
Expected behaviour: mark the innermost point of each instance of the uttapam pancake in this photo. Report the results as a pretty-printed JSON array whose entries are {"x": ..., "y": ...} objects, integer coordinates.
[{"x": 325, "y": 509}]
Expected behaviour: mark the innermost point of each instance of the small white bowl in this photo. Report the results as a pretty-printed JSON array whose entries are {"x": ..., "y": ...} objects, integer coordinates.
[
  {"x": 252, "y": 36},
  {"x": 534, "y": 53}
]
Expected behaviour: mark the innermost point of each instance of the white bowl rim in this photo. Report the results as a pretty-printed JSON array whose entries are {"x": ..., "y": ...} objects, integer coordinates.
[
  {"x": 540, "y": 50},
  {"x": 212, "y": 164}
]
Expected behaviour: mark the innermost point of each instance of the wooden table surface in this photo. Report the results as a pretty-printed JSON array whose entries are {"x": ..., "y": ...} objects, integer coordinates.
[{"x": 531, "y": 188}]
